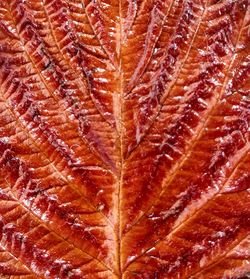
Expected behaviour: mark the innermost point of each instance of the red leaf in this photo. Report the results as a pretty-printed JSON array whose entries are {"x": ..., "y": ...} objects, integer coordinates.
[{"x": 124, "y": 139}]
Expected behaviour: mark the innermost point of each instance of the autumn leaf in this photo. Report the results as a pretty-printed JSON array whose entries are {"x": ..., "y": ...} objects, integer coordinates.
[{"x": 124, "y": 139}]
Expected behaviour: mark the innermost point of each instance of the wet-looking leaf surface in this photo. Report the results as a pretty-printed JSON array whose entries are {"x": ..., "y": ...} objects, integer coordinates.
[{"x": 124, "y": 139}]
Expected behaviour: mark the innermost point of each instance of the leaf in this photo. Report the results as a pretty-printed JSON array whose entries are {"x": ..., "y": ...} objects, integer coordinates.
[{"x": 124, "y": 139}]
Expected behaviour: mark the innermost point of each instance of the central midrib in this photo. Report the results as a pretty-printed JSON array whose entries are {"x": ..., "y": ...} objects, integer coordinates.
[{"x": 119, "y": 121}]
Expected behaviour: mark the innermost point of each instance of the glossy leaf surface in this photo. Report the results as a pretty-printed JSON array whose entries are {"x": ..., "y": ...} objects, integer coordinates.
[{"x": 124, "y": 139}]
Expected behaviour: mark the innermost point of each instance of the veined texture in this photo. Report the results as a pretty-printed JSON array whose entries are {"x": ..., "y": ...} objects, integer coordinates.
[{"x": 124, "y": 139}]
